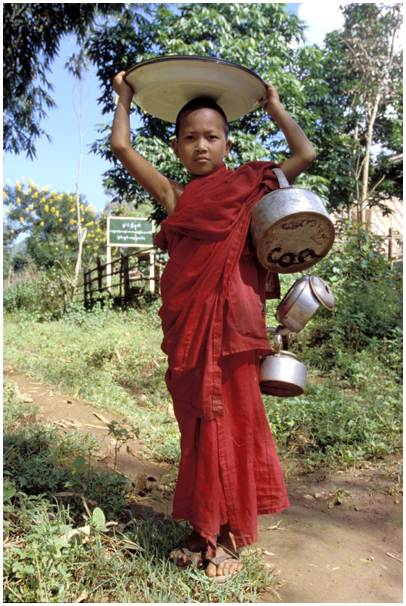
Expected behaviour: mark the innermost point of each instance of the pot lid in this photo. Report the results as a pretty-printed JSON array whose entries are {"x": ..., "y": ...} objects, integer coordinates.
[
  {"x": 162, "y": 86},
  {"x": 322, "y": 292}
]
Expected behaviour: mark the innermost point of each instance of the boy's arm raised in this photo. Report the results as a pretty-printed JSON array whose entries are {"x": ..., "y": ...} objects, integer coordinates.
[
  {"x": 160, "y": 187},
  {"x": 302, "y": 151}
]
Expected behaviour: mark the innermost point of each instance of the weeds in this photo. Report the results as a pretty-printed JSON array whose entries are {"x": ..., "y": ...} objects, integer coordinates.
[{"x": 68, "y": 535}]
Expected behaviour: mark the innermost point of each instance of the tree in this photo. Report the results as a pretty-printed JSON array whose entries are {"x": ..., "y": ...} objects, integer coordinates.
[
  {"x": 31, "y": 36},
  {"x": 361, "y": 107},
  {"x": 49, "y": 221}
]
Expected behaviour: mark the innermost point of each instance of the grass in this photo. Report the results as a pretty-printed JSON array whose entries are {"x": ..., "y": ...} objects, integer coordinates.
[
  {"x": 114, "y": 361},
  {"x": 69, "y": 535}
]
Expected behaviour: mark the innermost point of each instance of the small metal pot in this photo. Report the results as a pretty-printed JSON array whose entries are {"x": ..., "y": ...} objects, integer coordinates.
[
  {"x": 302, "y": 301},
  {"x": 281, "y": 374},
  {"x": 291, "y": 228}
]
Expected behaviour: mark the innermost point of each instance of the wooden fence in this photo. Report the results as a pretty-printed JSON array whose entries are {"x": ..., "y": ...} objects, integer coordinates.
[{"x": 125, "y": 280}]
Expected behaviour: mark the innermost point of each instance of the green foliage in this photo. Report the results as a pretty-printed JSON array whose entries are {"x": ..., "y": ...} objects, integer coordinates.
[
  {"x": 49, "y": 220},
  {"x": 368, "y": 307},
  {"x": 32, "y": 34},
  {"x": 335, "y": 426},
  {"x": 361, "y": 106},
  {"x": 50, "y": 558},
  {"x": 40, "y": 460},
  {"x": 43, "y": 296}
]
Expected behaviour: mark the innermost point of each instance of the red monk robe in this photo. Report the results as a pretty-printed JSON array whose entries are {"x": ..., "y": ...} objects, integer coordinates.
[{"x": 213, "y": 293}]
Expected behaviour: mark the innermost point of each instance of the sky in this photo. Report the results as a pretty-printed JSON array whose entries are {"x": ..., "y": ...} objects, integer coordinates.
[{"x": 56, "y": 164}]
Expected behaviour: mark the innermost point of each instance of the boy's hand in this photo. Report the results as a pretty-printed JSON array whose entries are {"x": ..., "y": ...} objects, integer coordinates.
[
  {"x": 271, "y": 102},
  {"x": 120, "y": 85}
]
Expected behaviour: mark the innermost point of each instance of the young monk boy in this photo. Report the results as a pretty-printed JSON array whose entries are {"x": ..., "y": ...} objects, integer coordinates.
[{"x": 213, "y": 292}]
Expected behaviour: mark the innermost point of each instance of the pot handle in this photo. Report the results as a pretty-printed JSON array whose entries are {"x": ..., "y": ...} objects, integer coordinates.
[
  {"x": 277, "y": 343},
  {"x": 282, "y": 180}
]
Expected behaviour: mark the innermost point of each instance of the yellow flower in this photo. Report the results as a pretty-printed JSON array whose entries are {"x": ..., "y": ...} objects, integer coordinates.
[
  {"x": 18, "y": 186},
  {"x": 41, "y": 224},
  {"x": 21, "y": 219},
  {"x": 72, "y": 222},
  {"x": 35, "y": 194},
  {"x": 5, "y": 194},
  {"x": 46, "y": 208}
]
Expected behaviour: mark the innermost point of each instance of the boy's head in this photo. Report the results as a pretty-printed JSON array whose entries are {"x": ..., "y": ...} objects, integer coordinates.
[
  {"x": 201, "y": 136},
  {"x": 200, "y": 103}
]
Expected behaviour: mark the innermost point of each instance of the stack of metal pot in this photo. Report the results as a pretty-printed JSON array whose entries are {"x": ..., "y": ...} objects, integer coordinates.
[{"x": 291, "y": 231}]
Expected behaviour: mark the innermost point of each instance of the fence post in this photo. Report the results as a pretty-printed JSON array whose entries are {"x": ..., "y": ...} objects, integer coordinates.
[
  {"x": 152, "y": 272},
  {"x": 126, "y": 276},
  {"x": 85, "y": 289},
  {"x": 390, "y": 244},
  {"x": 99, "y": 274},
  {"x": 109, "y": 268}
]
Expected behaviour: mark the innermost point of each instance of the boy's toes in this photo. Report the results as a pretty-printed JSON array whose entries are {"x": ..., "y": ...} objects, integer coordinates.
[
  {"x": 229, "y": 567},
  {"x": 211, "y": 570},
  {"x": 224, "y": 564}
]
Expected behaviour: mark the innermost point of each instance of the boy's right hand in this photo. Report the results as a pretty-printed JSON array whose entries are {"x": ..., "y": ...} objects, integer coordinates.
[{"x": 120, "y": 85}]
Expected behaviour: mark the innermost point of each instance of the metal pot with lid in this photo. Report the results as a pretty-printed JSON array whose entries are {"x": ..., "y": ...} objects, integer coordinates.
[
  {"x": 291, "y": 228},
  {"x": 302, "y": 301}
]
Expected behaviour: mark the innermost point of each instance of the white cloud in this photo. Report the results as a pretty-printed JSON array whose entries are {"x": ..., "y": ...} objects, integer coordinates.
[{"x": 320, "y": 18}]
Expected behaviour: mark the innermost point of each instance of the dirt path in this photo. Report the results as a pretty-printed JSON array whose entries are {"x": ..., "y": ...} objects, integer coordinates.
[{"x": 341, "y": 540}]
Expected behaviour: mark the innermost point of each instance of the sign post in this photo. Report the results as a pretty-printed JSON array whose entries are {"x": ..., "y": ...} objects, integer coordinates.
[{"x": 130, "y": 232}]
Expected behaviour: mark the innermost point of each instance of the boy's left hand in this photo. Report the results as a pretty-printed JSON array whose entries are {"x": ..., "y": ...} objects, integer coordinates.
[{"x": 271, "y": 100}]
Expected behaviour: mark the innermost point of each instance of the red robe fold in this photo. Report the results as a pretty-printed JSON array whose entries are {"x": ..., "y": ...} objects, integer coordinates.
[
  {"x": 207, "y": 281},
  {"x": 214, "y": 332}
]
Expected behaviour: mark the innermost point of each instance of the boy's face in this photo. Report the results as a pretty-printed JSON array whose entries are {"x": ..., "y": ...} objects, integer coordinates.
[{"x": 202, "y": 143}]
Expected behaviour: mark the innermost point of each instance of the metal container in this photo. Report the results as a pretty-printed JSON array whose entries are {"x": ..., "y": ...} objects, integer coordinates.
[
  {"x": 302, "y": 301},
  {"x": 281, "y": 374},
  {"x": 291, "y": 228}
]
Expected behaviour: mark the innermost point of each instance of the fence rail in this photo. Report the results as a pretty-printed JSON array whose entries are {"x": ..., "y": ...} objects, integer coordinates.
[{"x": 124, "y": 280}]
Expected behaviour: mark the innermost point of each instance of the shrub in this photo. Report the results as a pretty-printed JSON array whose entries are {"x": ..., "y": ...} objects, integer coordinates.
[
  {"x": 368, "y": 306},
  {"x": 43, "y": 296}
]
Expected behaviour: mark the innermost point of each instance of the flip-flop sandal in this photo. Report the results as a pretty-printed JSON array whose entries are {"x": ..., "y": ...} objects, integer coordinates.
[
  {"x": 229, "y": 555},
  {"x": 183, "y": 557}
]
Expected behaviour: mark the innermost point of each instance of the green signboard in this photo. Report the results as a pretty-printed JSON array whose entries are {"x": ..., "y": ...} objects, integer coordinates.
[{"x": 129, "y": 231}]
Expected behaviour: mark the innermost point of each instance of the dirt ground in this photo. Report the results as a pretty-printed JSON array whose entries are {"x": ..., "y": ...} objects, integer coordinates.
[{"x": 340, "y": 541}]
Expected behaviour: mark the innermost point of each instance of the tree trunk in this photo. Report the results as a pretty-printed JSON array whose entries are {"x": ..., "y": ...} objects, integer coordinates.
[
  {"x": 365, "y": 169},
  {"x": 81, "y": 233}
]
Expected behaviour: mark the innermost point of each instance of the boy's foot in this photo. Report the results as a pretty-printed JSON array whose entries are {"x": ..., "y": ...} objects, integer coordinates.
[
  {"x": 190, "y": 552},
  {"x": 226, "y": 561},
  {"x": 224, "y": 564}
]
